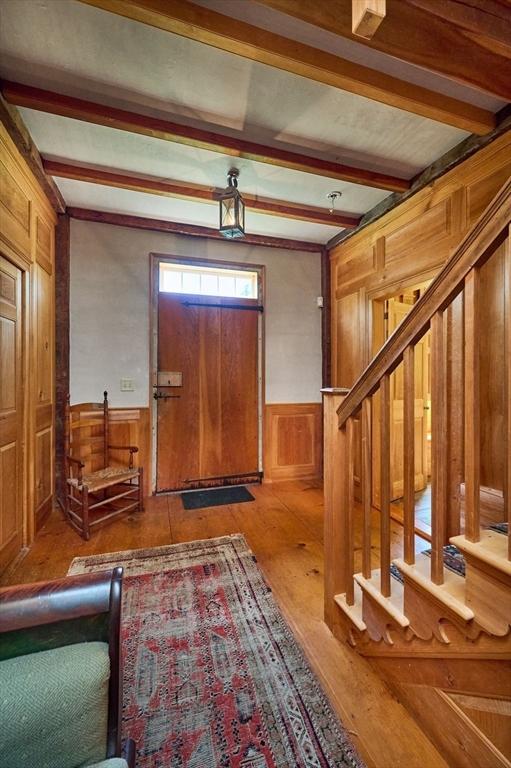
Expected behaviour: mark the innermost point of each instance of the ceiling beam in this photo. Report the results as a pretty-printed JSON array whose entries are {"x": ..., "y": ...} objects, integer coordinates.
[
  {"x": 175, "y": 228},
  {"x": 257, "y": 44},
  {"x": 431, "y": 37},
  {"x": 15, "y": 127},
  {"x": 133, "y": 122},
  {"x": 155, "y": 186}
]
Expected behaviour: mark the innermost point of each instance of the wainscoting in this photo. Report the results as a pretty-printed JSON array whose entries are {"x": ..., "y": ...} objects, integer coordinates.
[
  {"x": 130, "y": 426},
  {"x": 292, "y": 441}
]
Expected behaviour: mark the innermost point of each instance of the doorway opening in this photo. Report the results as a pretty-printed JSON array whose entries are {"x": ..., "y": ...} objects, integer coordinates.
[
  {"x": 207, "y": 373},
  {"x": 388, "y": 313}
]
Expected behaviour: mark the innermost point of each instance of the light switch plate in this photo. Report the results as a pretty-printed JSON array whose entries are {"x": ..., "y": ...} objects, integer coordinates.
[{"x": 127, "y": 385}]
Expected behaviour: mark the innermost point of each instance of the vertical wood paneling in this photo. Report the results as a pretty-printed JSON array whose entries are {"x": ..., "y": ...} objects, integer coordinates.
[
  {"x": 385, "y": 485},
  {"x": 27, "y": 242},
  {"x": 292, "y": 441},
  {"x": 438, "y": 448},
  {"x": 472, "y": 408}
]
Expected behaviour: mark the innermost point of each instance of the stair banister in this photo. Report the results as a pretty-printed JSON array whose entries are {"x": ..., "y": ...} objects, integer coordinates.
[{"x": 472, "y": 252}]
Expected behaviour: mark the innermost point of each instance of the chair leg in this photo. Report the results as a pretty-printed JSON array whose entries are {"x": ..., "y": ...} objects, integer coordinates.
[
  {"x": 85, "y": 514},
  {"x": 141, "y": 489}
]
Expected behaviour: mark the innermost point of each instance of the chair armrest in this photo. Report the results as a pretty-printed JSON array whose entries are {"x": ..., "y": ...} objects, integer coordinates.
[
  {"x": 46, "y": 602},
  {"x": 51, "y": 614},
  {"x": 131, "y": 448},
  {"x": 75, "y": 461}
]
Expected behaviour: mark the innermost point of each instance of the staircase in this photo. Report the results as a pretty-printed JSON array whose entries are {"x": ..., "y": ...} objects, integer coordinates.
[{"x": 440, "y": 638}]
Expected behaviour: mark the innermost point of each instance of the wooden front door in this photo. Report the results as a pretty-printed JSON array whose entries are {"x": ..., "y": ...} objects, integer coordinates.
[
  {"x": 396, "y": 312},
  {"x": 11, "y": 412},
  {"x": 207, "y": 427}
]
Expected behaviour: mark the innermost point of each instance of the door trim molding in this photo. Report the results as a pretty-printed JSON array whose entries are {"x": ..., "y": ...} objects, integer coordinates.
[{"x": 155, "y": 259}]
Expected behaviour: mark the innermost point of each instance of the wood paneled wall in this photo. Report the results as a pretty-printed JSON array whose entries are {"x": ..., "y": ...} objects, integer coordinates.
[
  {"x": 406, "y": 246},
  {"x": 292, "y": 441},
  {"x": 131, "y": 426},
  {"x": 27, "y": 227}
]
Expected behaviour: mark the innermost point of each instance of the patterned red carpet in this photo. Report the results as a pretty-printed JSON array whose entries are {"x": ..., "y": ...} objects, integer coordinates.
[{"x": 213, "y": 677}]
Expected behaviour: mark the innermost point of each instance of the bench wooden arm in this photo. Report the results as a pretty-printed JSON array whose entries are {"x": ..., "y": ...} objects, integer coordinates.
[
  {"x": 79, "y": 464},
  {"x": 131, "y": 448}
]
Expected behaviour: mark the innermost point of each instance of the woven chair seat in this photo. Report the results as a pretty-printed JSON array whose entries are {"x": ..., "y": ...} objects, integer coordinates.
[{"x": 104, "y": 478}]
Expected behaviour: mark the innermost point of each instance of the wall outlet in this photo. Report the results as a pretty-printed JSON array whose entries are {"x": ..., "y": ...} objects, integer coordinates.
[{"x": 127, "y": 385}]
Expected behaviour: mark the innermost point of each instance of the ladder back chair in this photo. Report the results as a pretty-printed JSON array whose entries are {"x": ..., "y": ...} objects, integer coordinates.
[{"x": 97, "y": 488}]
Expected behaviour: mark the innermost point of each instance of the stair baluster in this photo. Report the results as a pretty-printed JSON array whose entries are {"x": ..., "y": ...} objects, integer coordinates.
[
  {"x": 507, "y": 319},
  {"x": 385, "y": 485},
  {"x": 472, "y": 408},
  {"x": 366, "y": 483},
  {"x": 438, "y": 449},
  {"x": 350, "y": 533},
  {"x": 409, "y": 454}
]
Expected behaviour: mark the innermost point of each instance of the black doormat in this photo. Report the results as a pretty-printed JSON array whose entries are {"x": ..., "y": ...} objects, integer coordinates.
[{"x": 216, "y": 497}]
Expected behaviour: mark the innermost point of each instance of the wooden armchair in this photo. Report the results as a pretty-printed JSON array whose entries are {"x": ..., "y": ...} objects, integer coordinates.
[
  {"x": 97, "y": 490},
  {"x": 60, "y": 664}
]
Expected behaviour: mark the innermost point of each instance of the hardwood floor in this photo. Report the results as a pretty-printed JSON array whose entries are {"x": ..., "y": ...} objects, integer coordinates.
[{"x": 284, "y": 528}]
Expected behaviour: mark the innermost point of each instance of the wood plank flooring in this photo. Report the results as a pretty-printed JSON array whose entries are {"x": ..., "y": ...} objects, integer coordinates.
[{"x": 284, "y": 528}]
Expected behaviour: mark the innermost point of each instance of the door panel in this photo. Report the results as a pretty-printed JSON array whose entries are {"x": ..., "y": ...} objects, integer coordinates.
[
  {"x": 11, "y": 413},
  {"x": 207, "y": 429},
  {"x": 397, "y": 311}
]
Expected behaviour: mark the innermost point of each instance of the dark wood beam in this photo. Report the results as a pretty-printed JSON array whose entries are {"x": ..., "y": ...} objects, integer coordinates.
[
  {"x": 432, "y": 40},
  {"x": 229, "y": 34},
  {"x": 18, "y": 132},
  {"x": 175, "y": 228},
  {"x": 133, "y": 122},
  {"x": 62, "y": 267},
  {"x": 154, "y": 186},
  {"x": 326, "y": 319}
]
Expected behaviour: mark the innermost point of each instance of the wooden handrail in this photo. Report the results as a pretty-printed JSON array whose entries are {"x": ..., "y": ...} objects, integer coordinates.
[{"x": 472, "y": 252}]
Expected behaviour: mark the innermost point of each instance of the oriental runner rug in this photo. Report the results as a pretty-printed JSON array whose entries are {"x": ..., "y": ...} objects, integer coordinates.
[{"x": 213, "y": 677}]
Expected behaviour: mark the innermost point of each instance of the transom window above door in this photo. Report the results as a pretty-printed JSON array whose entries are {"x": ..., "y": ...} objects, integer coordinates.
[{"x": 208, "y": 281}]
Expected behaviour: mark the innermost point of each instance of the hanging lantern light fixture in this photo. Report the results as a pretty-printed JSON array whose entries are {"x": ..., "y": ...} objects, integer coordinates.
[{"x": 232, "y": 208}]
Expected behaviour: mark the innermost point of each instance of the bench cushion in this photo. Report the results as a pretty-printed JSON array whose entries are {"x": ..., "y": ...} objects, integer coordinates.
[{"x": 53, "y": 707}]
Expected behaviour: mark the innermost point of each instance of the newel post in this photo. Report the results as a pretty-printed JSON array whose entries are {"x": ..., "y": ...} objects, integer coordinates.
[{"x": 334, "y": 508}]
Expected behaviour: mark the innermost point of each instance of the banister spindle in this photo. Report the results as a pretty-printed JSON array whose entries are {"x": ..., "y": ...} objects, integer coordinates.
[
  {"x": 366, "y": 486},
  {"x": 350, "y": 512},
  {"x": 385, "y": 485},
  {"x": 438, "y": 448},
  {"x": 472, "y": 408},
  {"x": 409, "y": 455},
  {"x": 507, "y": 373}
]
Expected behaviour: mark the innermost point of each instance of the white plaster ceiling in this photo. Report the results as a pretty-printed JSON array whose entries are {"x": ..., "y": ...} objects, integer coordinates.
[
  {"x": 82, "y": 51},
  {"x": 98, "y": 197}
]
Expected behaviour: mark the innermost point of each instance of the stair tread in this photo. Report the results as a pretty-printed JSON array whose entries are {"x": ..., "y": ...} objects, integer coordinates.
[
  {"x": 354, "y": 612},
  {"x": 392, "y": 604},
  {"x": 451, "y": 593},
  {"x": 491, "y": 549}
]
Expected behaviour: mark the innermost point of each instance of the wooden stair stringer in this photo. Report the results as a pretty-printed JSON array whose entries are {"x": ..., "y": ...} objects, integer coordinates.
[{"x": 488, "y": 580}]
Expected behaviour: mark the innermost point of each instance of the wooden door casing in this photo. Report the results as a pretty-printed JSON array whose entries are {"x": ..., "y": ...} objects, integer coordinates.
[
  {"x": 11, "y": 412},
  {"x": 208, "y": 429}
]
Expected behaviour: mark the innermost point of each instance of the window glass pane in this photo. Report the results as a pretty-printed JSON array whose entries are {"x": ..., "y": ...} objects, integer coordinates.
[
  {"x": 209, "y": 284},
  {"x": 226, "y": 286},
  {"x": 244, "y": 287},
  {"x": 191, "y": 282},
  {"x": 171, "y": 282},
  {"x": 208, "y": 281}
]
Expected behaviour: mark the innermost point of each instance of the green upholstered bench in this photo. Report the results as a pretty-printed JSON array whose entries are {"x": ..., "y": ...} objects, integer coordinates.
[{"x": 60, "y": 677}]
